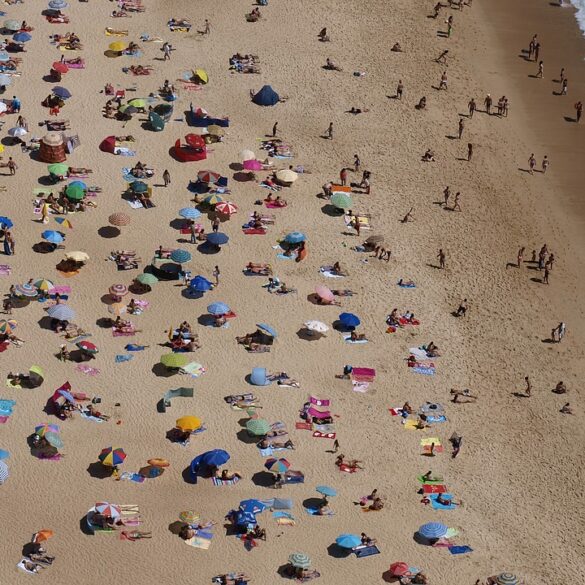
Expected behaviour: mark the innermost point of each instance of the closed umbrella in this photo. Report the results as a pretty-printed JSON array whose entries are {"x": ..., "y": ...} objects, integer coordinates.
[
  {"x": 247, "y": 155},
  {"x": 277, "y": 465},
  {"x": 348, "y": 540},
  {"x": 252, "y": 165},
  {"x": 433, "y": 530},
  {"x": 108, "y": 510},
  {"x": 188, "y": 423},
  {"x": 325, "y": 490},
  {"x": 258, "y": 426},
  {"x": 147, "y": 279},
  {"x": 190, "y": 213},
  {"x": 112, "y": 456},
  {"x": 200, "y": 284},
  {"x": 18, "y": 131},
  {"x": 54, "y": 440},
  {"x": 300, "y": 560},
  {"x": 226, "y": 208},
  {"x": 7, "y": 326},
  {"x": 77, "y": 256},
  {"x": 341, "y": 201},
  {"x": 117, "y": 46},
  {"x": 217, "y": 239},
  {"x": 399, "y": 569},
  {"x": 139, "y": 186},
  {"x": 25, "y": 290},
  {"x": 286, "y": 176},
  {"x": 316, "y": 326},
  {"x": 218, "y": 309},
  {"x": 174, "y": 360},
  {"x": 21, "y": 37},
  {"x": 180, "y": 256},
  {"x": 119, "y": 219},
  {"x": 53, "y": 237},
  {"x": 118, "y": 290},
  {"x": 507, "y": 579},
  {"x": 208, "y": 177},
  {"x": 62, "y": 92},
  {"x": 4, "y": 473},
  {"x": 61, "y": 312},
  {"x": 74, "y": 193},
  {"x": 216, "y": 457},
  {"x": 12, "y": 24},
  {"x": 295, "y": 238},
  {"x": 324, "y": 293},
  {"x": 60, "y": 67},
  {"x": 349, "y": 319},
  {"x": 269, "y": 330},
  {"x": 213, "y": 199}
]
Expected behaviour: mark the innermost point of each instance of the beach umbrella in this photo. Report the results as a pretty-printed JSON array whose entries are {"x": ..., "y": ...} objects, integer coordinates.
[
  {"x": 150, "y": 471},
  {"x": 171, "y": 269},
  {"x": 258, "y": 426},
  {"x": 208, "y": 177},
  {"x": 174, "y": 360},
  {"x": 63, "y": 393},
  {"x": 16, "y": 132},
  {"x": 7, "y": 326},
  {"x": 295, "y": 238},
  {"x": 267, "y": 329},
  {"x": 247, "y": 155},
  {"x": 348, "y": 540},
  {"x": 5, "y": 222},
  {"x": 158, "y": 462},
  {"x": 25, "y": 290},
  {"x": 42, "y": 535},
  {"x": 373, "y": 240},
  {"x": 188, "y": 423},
  {"x": 43, "y": 284},
  {"x": 127, "y": 109},
  {"x": 218, "y": 309},
  {"x": 300, "y": 560},
  {"x": 58, "y": 4},
  {"x": 215, "y": 130},
  {"x": 180, "y": 256},
  {"x": 189, "y": 213},
  {"x": 213, "y": 199},
  {"x": 54, "y": 440},
  {"x": 112, "y": 456},
  {"x": 42, "y": 430},
  {"x": 60, "y": 67},
  {"x": 399, "y": 569},
  {"x": 201, "y": 75},
  {"x": 433, "y": 530},
  {"x": 507, "y": 579},
  {"x": 286, "y": 176},
  {"x": 226, "y": 208},
  {"x": 87, "y": 346},
  {"x": 52, "y": 236},
  {"x": 316, "y": 326},
  {"x": 79, "y": 184},
  {"x": 118, "y": 290},
  {"x": 195, "y": 141},
  {"x": 324, "y": 293},
  {"x": 137, "y": 103},
  {"x": 147, "y": 279},
  {"x": 139, "y": 186},
  {"x": 65, "y": 223},
  {"x": 278, "y": 465},
  {"x": 216, "y": 457},
  {"x": 77, "y": 256},
  {"x": 58, "y": 169},
  {"x": 5, "y": 80},
  {"x": 4, "y": 454},
  {"x": 109, "y": 510},
  {"x": 325, "y": 490},
  {"x": 61, "y": 312},
  {"x": 62, "y": 92},
  {"x": 252, "y": 165},
  {"x": 36, "y": 376},
  {"x": 189, "y": 517},
  {"x": 74, "y": 193},
  {"x": 251, "y": 506},
  {"x": 341, "y": 200},
  {"x": 117, "y": 46},
  {"x": 119, "y": 219},
  {"x": 200, "y": 283},
  {"x": 349, "y": 319},
  {"x": 117, "y": 309},
  {"x": 12, "y": 25},
  {"x": 217, "y": 239},
  {"x": 21, "y": 37},
  {"x": 4, "y": 473}
]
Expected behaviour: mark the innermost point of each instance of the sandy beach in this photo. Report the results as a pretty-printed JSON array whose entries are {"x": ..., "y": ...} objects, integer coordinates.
[{"x": 519, "y": 472}]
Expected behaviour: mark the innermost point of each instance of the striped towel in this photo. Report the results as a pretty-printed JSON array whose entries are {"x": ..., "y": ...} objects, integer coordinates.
[{"x": 217, "y": 481}]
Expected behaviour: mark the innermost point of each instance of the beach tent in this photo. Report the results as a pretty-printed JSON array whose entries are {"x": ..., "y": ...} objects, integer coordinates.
[
  {"x": 266, "y": 97},
  {"x": 52, "y": 148}
]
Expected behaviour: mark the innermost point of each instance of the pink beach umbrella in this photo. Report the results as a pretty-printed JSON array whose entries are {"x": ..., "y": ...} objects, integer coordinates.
[
  {"x": 252, "y": 165},
  {"x": 324, "y": 293}
]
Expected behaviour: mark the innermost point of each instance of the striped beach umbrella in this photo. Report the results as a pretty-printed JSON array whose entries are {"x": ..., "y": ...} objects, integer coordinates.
[
  {"x": 208, "y": 177},
  {"x": 433, "y": 530},
  {"x": 277, "y": 465},
  {"x": 399, "y": 569},
  {"x": 118, "y": 290},
  {"x": 106, "y": 509},
  {"x": 258, "y": 426},
  {"x": 4, "y": 473},
  {"x": 300, "y": 560},
  {"x": 213, "y": 199},
  {"x": 180, "y": 256},
  {"x": 61, "y": 312},
  {"x": 147, "y": 279},
  {"x": 25, "y": 290},
  {"x": 7, "y": 326},
  {"x": 54, "y": 440},
  {"x": 42, "y": 430},
  {"x": 226, "y": 208},
  {"x": 189, "y": 517},
  {"x": 188, "y": 423},
  {"x": 189, "y": 213},
  {"x": 112, "y": 456},
  {"x": 507, "y": 579},
  {"x": 119, "y": 219},
  {"x": 43, "y": 284},
  {"x": 65, "y": 223}
]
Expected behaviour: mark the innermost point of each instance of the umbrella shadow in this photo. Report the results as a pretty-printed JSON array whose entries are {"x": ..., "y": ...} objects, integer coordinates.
[
  {"x": 107, "y": 299},
  {"x": 338, "y": 552},
  {"x": 188, "y": 293},
  {"x": 179, "y": 223},
  {"x": 263, "y": 479},
  {"x": 331, "y": 210},
  {"x": 208, "y": 249},
  {"x": 84, "y": 527},
  {"x": 99, "y": 471},
  {"x": 162, "y": 371},
  {"x": 206, "y": 320},
  {"x": 176, "y": 526},
  {"x": 46, "y": 323},
  {"x": 307, "y": 335},
  {"x": 388, "y": 577},
  {"x": 420, "y": 539},
  {"x": 104, "y": 322},
  {"x": 312, "y": 502},
  {"x": 109, "y": 232},
  {"x": 245, "y": 437},
  {"x": 50, "y": 408},
  {"x": 188, "y": 477},
  {"x": 243, "y": 177},
  {"x": 236, "y": 167},
  {"x": 174, "y": 435},
  {"x": 313, "y": 298},
  {"x": 44, "y": 247}
]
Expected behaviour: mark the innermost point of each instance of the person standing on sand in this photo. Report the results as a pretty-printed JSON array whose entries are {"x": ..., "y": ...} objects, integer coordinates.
[
  {"x": 520, "y": 257},
  {"x": 357, "y": 163},
  {"x": 579, "y": 110},
  {"x": 469, "y": 151},
  {"x": 528, "y": 390},
  {"x": 399, "y": 90},
  {"x": 536, "y": 51},
  {"x": 446, "y": 195},
  {"x": 166, "y": 49},
  {"x": 540, "y": 73},
  {"x": 216, "y": 274},
  {"x": 456, "y": 205},
  {"x": 441, "y": 257},
  {"x": 546, "y": 274},
  {"x": 443, "y": 82},
  {"x": 166, "y": 178},
  {"x": 329, "y": 133},
  {"x": 545, "y": 163},
  {"x": 472, "y": 106},
  {"x": 335, "y": 446},
  {"x": 487, "y": 102},
  {"x": 11, "y": 166},
  {"x": 461, "y": 127},
  {"x": 564, "y": 87},
  {"x": 274, "y": 129},
  {"x": 531, "y": 164},
  {"x": 343, "y": 176}
]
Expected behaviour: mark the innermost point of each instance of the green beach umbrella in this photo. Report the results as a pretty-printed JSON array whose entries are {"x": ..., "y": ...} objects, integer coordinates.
[
  {"x": 341, "y": 201},
  {"x": 75, "y": 192},
  {"x": 300, "y": 560},
  {"x": 258, "y": 426},
  {"x": 137, "y": 103},
  {"x": 174, "y": 360},
  {"x": 147, "y": 279},
  {"x": 58, "y": 169}
]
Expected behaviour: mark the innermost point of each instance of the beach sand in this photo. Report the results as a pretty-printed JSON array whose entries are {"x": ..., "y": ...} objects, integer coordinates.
[{"x": 519, "y": 472}]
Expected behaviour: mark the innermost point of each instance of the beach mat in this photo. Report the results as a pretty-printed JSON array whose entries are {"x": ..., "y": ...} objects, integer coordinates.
[
  {"x": 366, "y": 551},
  {"x": 460, "y": 550},
  {"x": 437, "y": 506},
  {"x": 198, "y": 542}
]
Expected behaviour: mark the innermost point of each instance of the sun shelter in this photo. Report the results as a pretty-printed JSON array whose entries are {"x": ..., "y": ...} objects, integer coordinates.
[
  {"x": 266, "y": 97},
  {"x": 193, "y": 150},
  {"x": 52, "y": 148},
  {"x": 259, "y": 377}
]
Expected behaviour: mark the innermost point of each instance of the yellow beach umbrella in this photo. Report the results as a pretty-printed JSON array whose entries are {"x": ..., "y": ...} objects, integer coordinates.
[
  {"x": 202, "y": 75},
  {"x": 118, "y": 46},
  {"x": 188, "y": 423}
]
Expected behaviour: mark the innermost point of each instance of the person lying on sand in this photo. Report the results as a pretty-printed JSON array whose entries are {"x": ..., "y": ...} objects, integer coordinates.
[
  {"x": 331, "y": 65},
  {"x": 465, "y": 393}
]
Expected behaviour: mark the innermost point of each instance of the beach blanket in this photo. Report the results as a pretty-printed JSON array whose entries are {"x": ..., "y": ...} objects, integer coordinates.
[
  {"x": 366, "y": 551},
  {"x": 123, "y": 333},
  {"x": 324, "y": 428},
  {"x": 363, "y": 374},
  {"x": 134, "y": 347},
  {"x": 269, "y": 451},
  {"x": 418, "y": 352},
  {"x": 87, "y": 416},
  {"x": 129, "y": 476},
  {"x": 255, "y": 231},
  {"x": 327, "y": 271},
  {"x": 293, "y": 256},
  {"x": 437, "y": 506},
  {"x": 21, "y": 565},
  {"x": 304, "y": 426},
  {"x": 424, "y": 370},
  {"x": 347, "y": 469},
  {"x": 420, "y": 479},
  {"x": 274, "y": 205},
  {"x": 460, "y": 550},
  {"x": 436, "y": 418},
  {"x": 360, "y": 386},
  {"x": 411, "y": 424},
  {"x": 436, "y": 488},
  {"x": 198, "y": 542},
  {"x": 124, "y": 357},
  {"x": 216, "y": 481},
  {"x": 315, "y": 512},
  {"x": 87, "y": 370},
  {"x": 348, "y": 339},
  {"x": 320, "y": 435},
  {"x": 6, "y": 407},
  {"x": 5, "y": 270}
]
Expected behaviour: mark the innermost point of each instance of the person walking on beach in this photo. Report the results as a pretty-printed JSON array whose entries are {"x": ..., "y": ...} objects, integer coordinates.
[
  {"x": 443, "y": 82},
  {"x": 437, "y": 10},
  {"x": 166, "y": 49},
  {"x": 449, "y": 26},
  {"x": 520, "y": 257},
  {"x": 343, "y": 176},
  {"x": 536, "y": 50},
  {"x": 579, "y": 110},
  {"x": 357, "y": 163},
  {"x": 446, "y": 195},
  {"x": 564, "y": 86},
  {"x": 456, "y": 205},
  {"x": 399, "y": 90},
  {"x": 472, "y": 106},
  {"x": 329, "y": 133},
  {"x": 274, "y": 129},
  {"x": 545, "y": 163},
  {"x": 442, "y": 58},
  {"x": 528, "y": 390},
  {"x": 11, "y": 166},
  {"x": 531, "y": 164},
  {"x": 206, "y": 27},
  {"x": 487, "y": 102},
  {"x": 166, "y": 178},
  {"x": 461, "y": 127},
  {"x": 216, "y": 274},
  {"x": 441, "y": 257},
  {"x": 540, "y": 73},
  {"x": 469, "y": 151},
  {"x": 335, "y": 446},
  {"x": 546, "y": 274}
]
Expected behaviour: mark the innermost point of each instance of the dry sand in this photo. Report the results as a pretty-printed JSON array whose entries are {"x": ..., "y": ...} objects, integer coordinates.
[{"x": 519, "y": 473}]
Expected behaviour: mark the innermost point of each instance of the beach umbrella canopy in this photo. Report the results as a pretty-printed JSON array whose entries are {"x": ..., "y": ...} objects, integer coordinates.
[
  {"x": 61, "y": 312},
  {"x": 433, "y": 530},
  {"x": 117, "y": 309},
  {"x": 106, "y": 509},
  {"x": 77, "y": 256},
  {"x": 218, "y": 309},
  {"x": 278, "y": 465},
  {"x": 216, "y": 130},
  {"x": 118, "y": 290},
  {"x": 399, "y": 569},
  {"x": 348, "y": 540},
  {"x": 43, "y": 284},
  {"x": 189, "y": 517},
  {"x": 78, "y": 184},
  {"x": 54, "y": 440},
  {"x": 373, "y": 240},
  {"x": 65, "y": 223},
  {"x": 36, "y": 372},
  {"x": 4, "y": 473},
  {"x": 507, "y": 579},
  {"x": 112, "y": 456},
  {"x": 316, "y": 326},
  {"x": 127, "y": 109},
  {"x": 63, "y": 393},
  {"x": 174, "y": 360},
  {"x": 16, "y": 132},
  {"x": 188, "y": 423},
  {"x": 147, "y": 279},
  {"x": 208, "y": 177},
  {"x": 190, "y": 213},
  {"x": 5, "y": 222},
  {"x": 42, "y": 430},
  {"x": 324, "y": 293},
  {"x": 4, "y": 56},
  {"x": 25, "y": 290},
  {"x": 200, "y": 283},
  {"x": 201, "y": 74},
  {"x": 286, "y": 176},
  {"x": 258, "y": 426},
  {"x": 42, "y": 535},
  {"x": 52, "y": 236},
  {"x": 158, "y": 462},
  {"x": 58, "y": 4},
  {"x": 60, "y": 67},
  {"x": 251, "y": 506},
  {"x": 62, "y": 92},
  {"x": 117, "y": 46},
  {"x": 226, "y": 208},
  {"x": 87, "y": 346},
  {"x": 252, "y": 165},
  {"x": 74, "y": 193},
  {"x": 325, "y": 490},
  {"x": 5, "y": 80},
  {"x": 295, "y": 238},
  {"x": 21, "y": 37},
  {"x": 213, "y": 199},
  {"x": 139, "y": 186},
  {"x": 300, "y": 560},
  {"x": 216, "y": 457},
  {"x": 12, "y": 24},
  {"x": 7, "y": 326},
  {"x": 269, "y": 330},
  {"x": 119, "y": 219},
  {"x": 195, "y": 140},
  {"x": 341, "y": 200},
  {"x": 349, "y": 319},
  {"x": 247, "y": 154},
  {"x": 137, "y": 102},
  {"x": 58, "y": 169},
  {"x": 180, "y": 256},
  {"x": 217, "y": 239}
]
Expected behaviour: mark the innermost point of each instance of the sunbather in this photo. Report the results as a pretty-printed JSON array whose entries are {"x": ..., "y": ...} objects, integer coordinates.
[{"x": 331, "y": 65}]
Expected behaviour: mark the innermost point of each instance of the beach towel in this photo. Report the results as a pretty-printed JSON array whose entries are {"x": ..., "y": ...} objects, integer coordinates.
[
  {"x": 395, "y": 411},
  {"x": 424, "y": 370},
  {"x": 303, "y": 426},
  {"x": 198, "y": 542},
  {"x": 5, "y": 270},
  {"x": 315, "y": 512},
  {"x": 269, "y": 451},
  {"x": 320, "y": 435},
  {"x": 327, "y": 271},
  {"x": 274, "y": 205},
  {"x": 255, "y": 231},
  {"x": 360, "y": 386},
  {"x": 366, "y": 551},
  {"x": 363, "y": 374},
  {"x": 429, "y": 481},
  {"x": 436, "y": 488},
  {"x": 280, "y": 514},
  {"x": 6, "y": 407},
  {"x": 124, "y": 333},
  {"x": 87, "y": 416},
  {"x": 10, "y": 384},
  {"x": 135, "y": 477},
  {"x": 285, "y": 522},
  {"x": 324, "y": 428},
  {"x": 135, "y": 204},
  {"x": 438, "y": 449},
  {"x": 428, "y": 441},
  {"x": 460, "y": 550},
  {"x": 433, "y": 418},
  {"x": 216, "y": 481},
  {"x": 133, "y": 347},
  {"x": 293, "y": 256},
  {"x": 348, "y": 339},
  {"x": 411, "y": 424},
  {"x": 418, "y": 352},
  {"x": 437, "y": 506},
  {"x": 123, "y": 358},
  {"x": 87, "y": 370},
  {"x": 407, "y": 285},
  {"x": 21, "y": 565}
]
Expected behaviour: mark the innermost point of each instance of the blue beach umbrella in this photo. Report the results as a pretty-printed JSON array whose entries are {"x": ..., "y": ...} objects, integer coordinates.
[
  {"x": 180, "y": 256},
  {"x": 190, "y": 213},
  {"x": 326, "y": 490},
  {"x": 215, "y": 458},
  {"x": 218, "y": 309},
  {"x": 4, "y": 454},
  {"x": 4, "y": 56},
  {"x": 267, "y": 329},
  {"x": 22, "y": 37},
  {"x": 58, "y": 4},
  {"x": 349, "y": 319},
  {"x": 348, "y": 540},
  {"x": 62, "y": 92},
  {"x": 5, "y": 222},
  {"x": 52, "y": 236},
  {"x": 295, "y": 238},
  {"x": 433, "y": 530},
  {"x": 200, "y": 283},
  {"x": 61, "y": 312},
  {"x": 217, "y": 239}
]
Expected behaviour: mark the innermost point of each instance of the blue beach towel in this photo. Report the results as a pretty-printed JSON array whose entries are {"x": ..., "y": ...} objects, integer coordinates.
[
  {"x": 123, "y": 358},
  {"x": 460, "y": 550},
  {"x": 437, "y": 506},
  {"x": 6, "y": 407},
  {"x": 423, "y": 370},
  {"x": 132, "y": 347}
]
